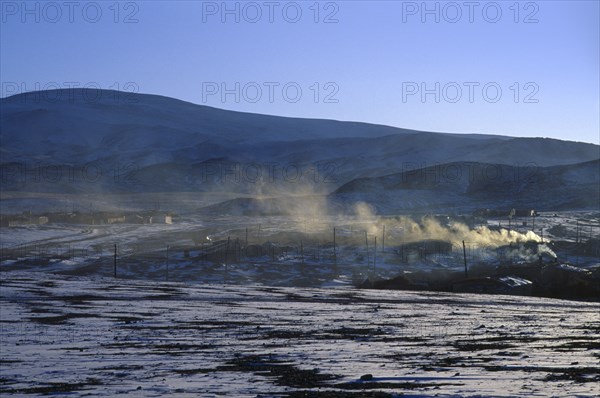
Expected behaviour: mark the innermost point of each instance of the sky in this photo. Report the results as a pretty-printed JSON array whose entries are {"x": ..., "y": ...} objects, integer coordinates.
[{"x": 525, "y": 69}]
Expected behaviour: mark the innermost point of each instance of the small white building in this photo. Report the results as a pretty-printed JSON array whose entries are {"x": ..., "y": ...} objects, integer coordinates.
[{"x": 161, "y": 219}]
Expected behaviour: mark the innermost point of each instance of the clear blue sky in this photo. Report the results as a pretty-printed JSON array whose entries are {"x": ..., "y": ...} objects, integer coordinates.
[{"x": 371, "y": 62}]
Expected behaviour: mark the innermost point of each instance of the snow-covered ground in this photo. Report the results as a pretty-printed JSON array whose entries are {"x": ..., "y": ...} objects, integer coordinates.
[
  {"x": 104, "y": 336},
  {"x": 305, "y": 253}
]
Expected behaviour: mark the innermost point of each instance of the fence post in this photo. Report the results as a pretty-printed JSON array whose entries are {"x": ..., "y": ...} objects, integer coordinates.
[{"x": 465, "y": 258}]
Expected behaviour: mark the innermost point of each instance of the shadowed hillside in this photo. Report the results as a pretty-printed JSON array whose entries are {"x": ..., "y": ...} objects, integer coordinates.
[{"x": 86, "y": 140}]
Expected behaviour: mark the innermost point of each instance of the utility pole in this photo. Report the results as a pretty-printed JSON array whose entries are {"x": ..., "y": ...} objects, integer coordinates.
[
  {"x": 115, "y": 261},
  {"x": 367, "y": 246},
  {"x": 375, "y": 255},
  {"x": 167, "y": 274},
  {"x": 465, "y": 259},
  {"x": 383, "y": 239},
  {"x": 227, "y": 249},
  {"x": 334, "y": 248}
]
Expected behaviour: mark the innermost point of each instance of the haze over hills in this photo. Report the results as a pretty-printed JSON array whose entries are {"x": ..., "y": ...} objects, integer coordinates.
[
  {"x": 152, "y": 143},
  {"x": 471, "y": 185}
]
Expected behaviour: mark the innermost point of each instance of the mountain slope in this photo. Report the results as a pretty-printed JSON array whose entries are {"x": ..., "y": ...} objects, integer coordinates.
[
  {"x": 109, "y": 119},
  {"x": 142, "y": 142}
]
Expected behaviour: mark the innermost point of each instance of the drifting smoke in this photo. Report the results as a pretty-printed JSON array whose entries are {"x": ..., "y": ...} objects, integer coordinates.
[
  {"x": 315, "y": 213},
  {"x": 430, "y": 228},
  {"x": 529, "y": 254},
  {"x": 405, "y": 229},
  {"x": 544, "y": 249}
]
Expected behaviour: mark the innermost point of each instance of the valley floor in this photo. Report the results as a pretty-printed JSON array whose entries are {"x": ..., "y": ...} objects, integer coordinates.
[{"x": 103, "y": 336}]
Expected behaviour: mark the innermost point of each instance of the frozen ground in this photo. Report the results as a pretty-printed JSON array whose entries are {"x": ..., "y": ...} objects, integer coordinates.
[{"x": 103, "y": 337}]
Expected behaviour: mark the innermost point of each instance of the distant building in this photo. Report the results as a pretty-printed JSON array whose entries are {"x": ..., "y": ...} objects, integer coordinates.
[
  {"x": 20, "y": 221},
  {"x": 161, "y": 219},
  {"x": 115, "y": 219}
]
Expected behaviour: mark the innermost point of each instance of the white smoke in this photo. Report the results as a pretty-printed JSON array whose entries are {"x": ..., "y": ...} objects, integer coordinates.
[{"x": 430, "y": 228}]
